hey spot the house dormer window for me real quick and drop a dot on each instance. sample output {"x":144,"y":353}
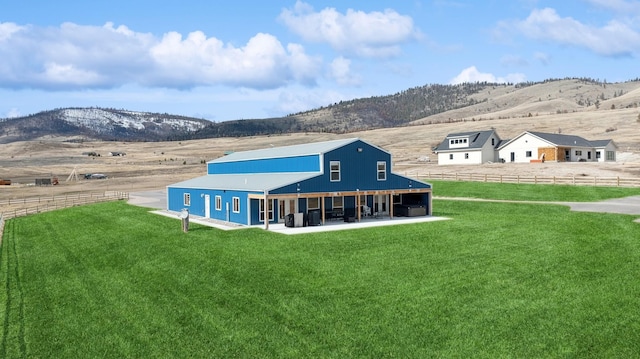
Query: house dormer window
{"x":382,"y":171}
{"x":334,"y":169}
{"x":459,"y":142}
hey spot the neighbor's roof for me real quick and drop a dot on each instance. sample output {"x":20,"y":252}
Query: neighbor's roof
{"x":245,"y":182}
{"x":601,"y":143}
{"x":477,"y":139}
{"x":563,"y":140}
{"x":304,"y":149}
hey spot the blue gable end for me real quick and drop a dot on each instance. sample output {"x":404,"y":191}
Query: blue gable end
{"x":309,"y":163}
{"x":358,"y":172}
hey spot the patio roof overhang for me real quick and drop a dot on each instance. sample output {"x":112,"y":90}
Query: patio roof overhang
{"x":357,"y":193}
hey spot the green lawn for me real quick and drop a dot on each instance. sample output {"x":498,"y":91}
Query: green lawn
{"x":529,"y":192}
{"x":498,"y":280}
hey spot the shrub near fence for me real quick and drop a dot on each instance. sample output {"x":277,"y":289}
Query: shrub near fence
{"x":33,"y":205}
{"x":573,"y":180}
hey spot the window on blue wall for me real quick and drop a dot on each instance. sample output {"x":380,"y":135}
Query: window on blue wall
{"x":270,"y":210}
{"x":218,"y":203}
{"x":186,"y":198}
{"x":334,"y":168}
{"x":382,"y":171}
{"x":313,"y":203}
{"x":236,"y":204}
{"x":337,"y":202}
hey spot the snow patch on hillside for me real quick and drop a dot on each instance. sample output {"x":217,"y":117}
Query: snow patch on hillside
{"x":101,"y":120}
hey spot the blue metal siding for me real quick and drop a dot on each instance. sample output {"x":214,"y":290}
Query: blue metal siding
{"x":175,"y":197}
{"x":310,"y":163}
{"x":358,"y":171}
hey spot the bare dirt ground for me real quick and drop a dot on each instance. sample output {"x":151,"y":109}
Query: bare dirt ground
{"x":154,"y":165}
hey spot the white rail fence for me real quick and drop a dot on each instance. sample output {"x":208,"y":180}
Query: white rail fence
{"x":13,"y":208}
{"x":560,"y":180}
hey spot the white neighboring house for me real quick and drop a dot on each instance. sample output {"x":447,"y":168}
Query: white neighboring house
{"x":539,"y":147}
{"x":605,"y":150}
{"x":465,"y":148}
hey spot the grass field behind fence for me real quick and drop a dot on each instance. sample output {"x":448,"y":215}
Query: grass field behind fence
{"x":497,"y":280}
{"x":529,"y":192}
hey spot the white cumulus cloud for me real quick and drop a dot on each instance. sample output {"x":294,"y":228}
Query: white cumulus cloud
{"x":616,"y":38}
{"x":471,"y":74}
{"x":621,"y":6}
{"x":373,"y":34}
{"x":75,"y":56}
{"x":340,"y":70}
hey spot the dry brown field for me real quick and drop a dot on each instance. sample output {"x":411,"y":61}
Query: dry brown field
{"x":154,"y":165}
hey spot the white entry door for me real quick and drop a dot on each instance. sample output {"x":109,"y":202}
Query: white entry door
{"x":207,"y":206}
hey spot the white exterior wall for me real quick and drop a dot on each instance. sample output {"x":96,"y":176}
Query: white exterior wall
{"x":489,"y":152}
{"x":520,"y":147}
{"x":603,"y":153}
{"x":582,"y":153}
{"x":475,"y":157}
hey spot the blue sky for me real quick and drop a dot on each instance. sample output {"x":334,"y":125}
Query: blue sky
{"x":257,"y":59}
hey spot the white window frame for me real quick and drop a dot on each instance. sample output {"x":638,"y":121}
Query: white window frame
{"x":466,"y":155}
{"x":578,"y":152}
{"x":382,"y":172}
{"x":528,"y":153}
{"x":186,"y":199}
{"x":611,"y":155}
{"x":218,"y":203}
{"x":451,"y":156}
{"x":333,"y":171}
{"x":236,"y":204}
{"x":270,"y":210}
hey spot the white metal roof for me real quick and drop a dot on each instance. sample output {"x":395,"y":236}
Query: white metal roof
{"x":313,"y":148}
{"x":259,"y":182}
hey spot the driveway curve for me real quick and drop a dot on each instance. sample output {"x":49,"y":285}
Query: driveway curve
{"x":625,"y":205}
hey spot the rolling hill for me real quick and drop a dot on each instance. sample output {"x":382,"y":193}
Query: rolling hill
{"x":424,"y":105}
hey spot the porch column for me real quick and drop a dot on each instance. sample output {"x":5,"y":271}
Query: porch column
{"x":265,"y":210}
{"x":358,"y":204}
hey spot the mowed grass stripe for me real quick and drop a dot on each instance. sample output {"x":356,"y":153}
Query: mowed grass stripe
{"x":13,"y":339}
{"x":499,"y":279}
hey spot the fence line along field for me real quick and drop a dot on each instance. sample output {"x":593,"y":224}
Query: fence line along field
{"x":12,"y":208}
{"x":559,"y":180}
{"x":154,"y":165}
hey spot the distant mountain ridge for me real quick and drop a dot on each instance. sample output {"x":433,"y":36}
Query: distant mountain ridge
{"x":99,"y":124}
{"x":429,"y":104}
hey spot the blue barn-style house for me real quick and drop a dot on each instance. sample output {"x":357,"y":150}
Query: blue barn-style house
{"x":345,"y":179}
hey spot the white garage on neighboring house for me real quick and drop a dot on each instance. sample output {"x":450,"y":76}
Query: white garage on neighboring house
{"x":478,"y":147}
{"x":539,"y":147}
{"x":605,"y":150}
